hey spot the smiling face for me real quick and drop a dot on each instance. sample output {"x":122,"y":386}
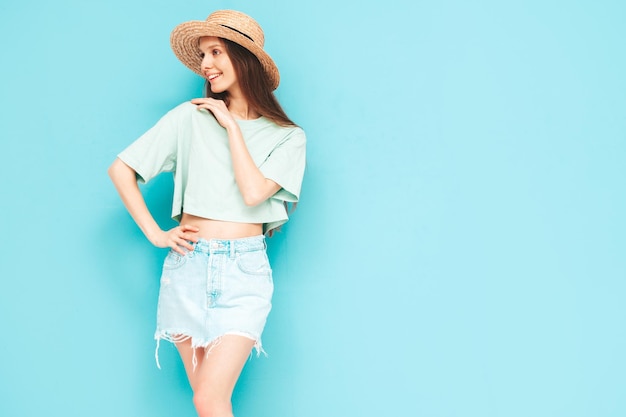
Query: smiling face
{"x":217,"y":67}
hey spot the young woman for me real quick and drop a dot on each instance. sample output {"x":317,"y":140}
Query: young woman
{"x":237,"y":161}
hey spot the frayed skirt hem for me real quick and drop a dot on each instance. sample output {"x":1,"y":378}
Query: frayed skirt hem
{"x":207,"y":344}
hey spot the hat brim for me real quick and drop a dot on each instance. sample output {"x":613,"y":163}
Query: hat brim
{"x":184,"y":41}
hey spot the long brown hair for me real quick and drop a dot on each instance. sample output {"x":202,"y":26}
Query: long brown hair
{"x":254,"y":84}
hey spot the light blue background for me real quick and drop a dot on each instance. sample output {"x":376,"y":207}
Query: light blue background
{"x":458,"y":250}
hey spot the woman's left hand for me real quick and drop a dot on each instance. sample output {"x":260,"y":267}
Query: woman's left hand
{"x":219,"y":110}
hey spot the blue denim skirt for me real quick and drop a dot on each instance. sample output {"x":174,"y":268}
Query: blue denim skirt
{"x":221,"y":287}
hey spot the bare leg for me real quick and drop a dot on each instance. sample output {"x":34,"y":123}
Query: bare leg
{"x":186,"y":353}
{"x":216,"y":373}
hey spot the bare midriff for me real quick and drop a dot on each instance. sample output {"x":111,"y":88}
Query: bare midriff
{"x":218,"y":229}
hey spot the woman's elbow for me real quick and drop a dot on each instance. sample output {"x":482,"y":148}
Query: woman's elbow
{"x":257,"y":195}
{"x":252,"y":200}
{"x":254,"y":197}
{"x":111,"y":170}
{"x":119,"y":171}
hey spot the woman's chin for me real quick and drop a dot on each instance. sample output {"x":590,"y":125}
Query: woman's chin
{"x":216,"y":89}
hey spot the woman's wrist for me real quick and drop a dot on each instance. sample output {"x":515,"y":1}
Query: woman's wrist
{"x":154,"y":235}
{"x":233,"y":129}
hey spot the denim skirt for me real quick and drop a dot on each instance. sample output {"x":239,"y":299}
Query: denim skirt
{"x":220,"y":287}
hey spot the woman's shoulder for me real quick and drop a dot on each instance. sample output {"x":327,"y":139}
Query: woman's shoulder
{"x":288,"y":132}
{"x":295,"y":133}
{"x":184,"y":108}
{"x":282,"y":135}
{"x":187,"y":111}
{"x":291,"y":136}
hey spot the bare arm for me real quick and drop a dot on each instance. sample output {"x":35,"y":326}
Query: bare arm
{"x":252,"y":184}
{"x":125,"y":180}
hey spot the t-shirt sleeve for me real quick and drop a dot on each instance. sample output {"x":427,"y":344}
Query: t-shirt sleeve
{"x":285,"y":165}
{"x":154,"y":151}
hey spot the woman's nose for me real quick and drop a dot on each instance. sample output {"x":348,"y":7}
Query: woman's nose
{"x":207,"y":62}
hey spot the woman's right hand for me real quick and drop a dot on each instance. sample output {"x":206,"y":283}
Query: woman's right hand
{"x":177,"y":238}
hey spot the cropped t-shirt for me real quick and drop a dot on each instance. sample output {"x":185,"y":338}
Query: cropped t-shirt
{"x":194,"y":146}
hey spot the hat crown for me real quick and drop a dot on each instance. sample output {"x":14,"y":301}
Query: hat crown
{"x":240,"y":23}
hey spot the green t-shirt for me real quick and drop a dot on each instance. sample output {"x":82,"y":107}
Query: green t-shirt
{"x":192,"y":144}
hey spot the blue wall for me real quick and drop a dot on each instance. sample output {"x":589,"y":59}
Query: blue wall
{"x":458,"y":250}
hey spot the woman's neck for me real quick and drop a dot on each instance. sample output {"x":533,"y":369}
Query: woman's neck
{"x":240,"y":109}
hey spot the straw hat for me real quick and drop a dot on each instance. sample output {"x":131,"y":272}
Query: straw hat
{"x":228,"y":24}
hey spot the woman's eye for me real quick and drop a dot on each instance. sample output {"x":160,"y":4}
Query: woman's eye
{"x":201,"y":54}
{"x":216,"y":52}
